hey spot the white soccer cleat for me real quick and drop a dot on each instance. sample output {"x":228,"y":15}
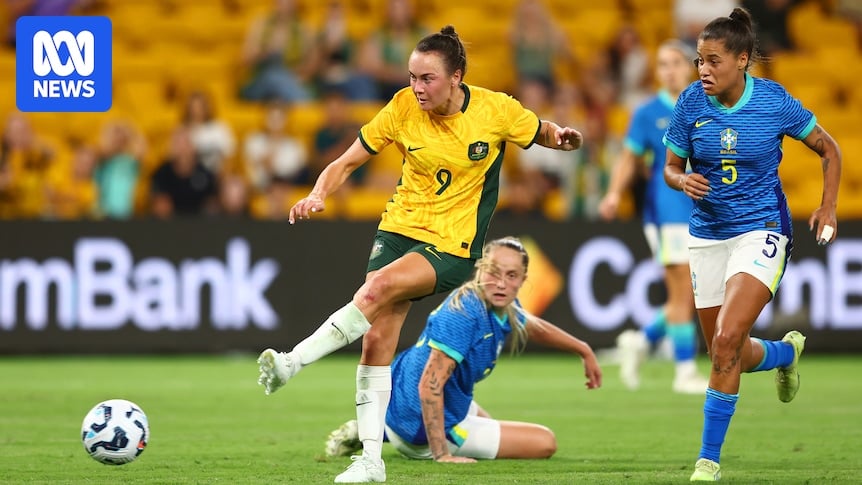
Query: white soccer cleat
{"x":276,"y":368}
{"x":632,"y":347}
{"x":343,"y":441}
{"x":363,"y":470}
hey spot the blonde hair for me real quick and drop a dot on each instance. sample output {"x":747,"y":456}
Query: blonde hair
{"x":513,"y":312}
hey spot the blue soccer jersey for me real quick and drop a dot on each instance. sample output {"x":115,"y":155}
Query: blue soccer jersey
{"x":738,"y":150}
{"x":472,"y":335}
{"x":662,"y":204}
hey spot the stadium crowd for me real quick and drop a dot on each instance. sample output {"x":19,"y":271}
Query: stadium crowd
{"x":231,"y":108}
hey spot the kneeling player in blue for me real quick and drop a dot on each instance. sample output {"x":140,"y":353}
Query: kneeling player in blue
{"x":432,"y":414}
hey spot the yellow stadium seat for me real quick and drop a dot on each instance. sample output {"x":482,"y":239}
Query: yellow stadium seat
{"x":556,"y":205}
{"x":363,"y":112}
{"x":491,"y":66}
{"x":618,"y":119}
{"x":842,"y":123}
{"x":840,"y":65}
{"x":243,"y":117}
{"x":305,"y":119}
{"x":789,"y":69}
{"x":814,"y":96}
{"x":594,"y":26}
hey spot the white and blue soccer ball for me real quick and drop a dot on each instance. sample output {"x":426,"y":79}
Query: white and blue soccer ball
{"x":115,"y":432}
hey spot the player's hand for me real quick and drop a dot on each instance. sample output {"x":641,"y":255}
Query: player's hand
{"x":824,"y":224}
{"x":694,"y":185}
{"x":568,"y":138}
{"x":609,"y":205}
{"x":592,"y":371}
{"x":454,"y":459}
{"x":305,"y":207}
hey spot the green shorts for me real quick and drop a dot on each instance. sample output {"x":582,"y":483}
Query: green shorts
{"x":452,"y":271}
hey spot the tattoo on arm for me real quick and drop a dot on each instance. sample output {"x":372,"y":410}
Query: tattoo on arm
{"x":437,"y":372}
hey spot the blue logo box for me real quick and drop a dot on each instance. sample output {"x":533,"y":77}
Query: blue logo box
{"x":63,"y":64}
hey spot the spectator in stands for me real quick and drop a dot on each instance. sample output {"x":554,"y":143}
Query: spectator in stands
{"x":630,"y":67}
{"x":334,"y":137}
{"x":72,"y":192}
{"x":25,"y":161}
{"x":592,"y":172}
{"x":544,"y":169}
{"x":538,"y":44}
{"x":386,"y":51}
{"x":521,"y":200}
{"x":213,"y":139}
{"x":336,"y":56}
{"x":182,"y":185}
{"x":277,"y":53}
{"x":117,"y":173}
{"x":274,"y":161}
{"x":233,"y":195}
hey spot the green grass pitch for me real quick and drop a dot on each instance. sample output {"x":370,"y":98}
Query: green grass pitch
{"x":211,"y":423}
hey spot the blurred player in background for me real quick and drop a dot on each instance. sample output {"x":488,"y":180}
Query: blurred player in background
{"x":432,"y":414}
{"x":730,"y":126}
{"x":665,"y":217}
{"x":453,"y":138}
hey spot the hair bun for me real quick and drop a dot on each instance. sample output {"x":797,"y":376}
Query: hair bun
{"x":448,"y":30}
{"x":741,"y":15}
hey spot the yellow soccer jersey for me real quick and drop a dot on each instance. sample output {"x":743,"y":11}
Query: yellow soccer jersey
{"x":450,"y":177}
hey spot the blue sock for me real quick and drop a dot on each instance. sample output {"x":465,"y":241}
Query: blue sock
{"x":775,"y":354}
{"x":717,"y":411}
{"x":684,"y":338}
{"x":655,"y":331}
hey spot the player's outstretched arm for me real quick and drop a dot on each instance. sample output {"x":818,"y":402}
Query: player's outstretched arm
{"x":830,"y":156}
{"x":558,"y":137}
{"x":437,"y":372}
{"x":330,"y":179}
{"x":550,"y":335}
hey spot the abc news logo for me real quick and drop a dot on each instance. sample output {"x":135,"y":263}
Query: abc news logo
{"x":63,"y":64}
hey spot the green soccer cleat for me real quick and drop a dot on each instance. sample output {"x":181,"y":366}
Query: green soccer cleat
{"x":706,"y":471}
{"x":787,"y":378}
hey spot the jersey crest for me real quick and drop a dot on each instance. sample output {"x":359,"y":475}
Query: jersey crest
{"x":729,"y":136}
{"x":477,"y":150}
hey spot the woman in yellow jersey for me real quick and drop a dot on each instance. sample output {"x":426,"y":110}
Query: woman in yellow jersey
{"x":453,"y":138}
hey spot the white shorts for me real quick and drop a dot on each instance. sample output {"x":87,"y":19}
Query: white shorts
{"x":669,"y":245}
{"x":481,"y":439}
{"x":762,"y":254}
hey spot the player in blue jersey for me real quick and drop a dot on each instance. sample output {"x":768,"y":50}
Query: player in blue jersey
{"x":432,"y":414}
{"x":665,"y":219}
{"x":731,"y":126}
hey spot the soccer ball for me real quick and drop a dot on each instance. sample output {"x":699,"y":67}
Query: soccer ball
{"x":115,"y":432}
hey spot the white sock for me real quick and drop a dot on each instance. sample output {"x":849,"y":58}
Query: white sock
{"x":373,"y":388}
{"x":685,"y":369}
{"x":341,"y":328}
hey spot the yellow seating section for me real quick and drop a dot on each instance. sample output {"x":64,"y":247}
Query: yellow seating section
{"x":164,"y":49}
